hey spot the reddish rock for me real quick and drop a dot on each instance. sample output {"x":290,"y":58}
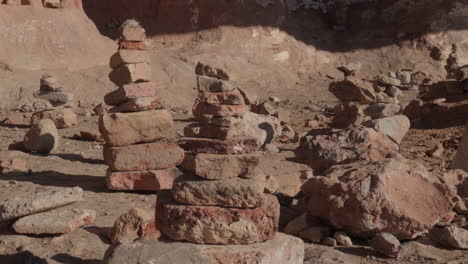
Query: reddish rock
{"x":216,"y":146}
{"x":13,"y":165}
{"x":222,"y":98}
{"x":130,"y":91}
{"x":133,"y":34}
{"x":203,"y":112}
{"x":321,"y":149}
{"x":121,"y":129}
{"x":132,"y":225}
{"x":141,"y":180}
{"x":236,"y":131}
{"x":354,"y":89}
{"x":131,"y":73}
{"x":219,"y":166}
{"x":204,"y":69}
{"x":347,"y":115}
{"x":17,"y":119}
{"x":129,"y":57}
{"x":138,"y":105}
{"x":217,"y":225}
{"x":131,"y":45}
{"x":234,"y":192}
{"x":142,"y":157}
{"x":62,"y":118}
{"x":213,"y":85}
{"x":91,"y":135}
{"x":366,"y":198}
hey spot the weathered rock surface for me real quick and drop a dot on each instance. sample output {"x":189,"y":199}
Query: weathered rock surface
{"x":128,"y":226}
{"x":11,"y":165}
{"x":348,"y":114}
{"x":261,"y":127}
{"x":121,"y":129}
{"x":91,"y":135}
{"x":219,"y":166}
{"x":217,"y":225}
{"x":62,"y":118}
{"x":216,"y":146}
{"x":132,"y":45}
{"x":315,"y":234}
{"x":131,"y":73}
{"x":142,"y":157}
{"x":54,"y":96}
{"x":451,"y":236}
{"x":39,"y":202}
{"x":460,"y":160}
{"x":154,"y":180}
{"x":222,"y":98}
{"x":204,"y":112}
{"x":58,"y":221}
{"x":342,"y":239}
{"x":282,"y":249}
{"x":213,"y":85}
{"x":234,"y":192}
{"x":354,"y":89}
{"x":392,"y":195}
{"x":394,"y":127}
{"x":130,"y":91}
{"x":133,"y":34}
{"x":42,"y":138}
{"x":386,"y":244}
{"x":321,"y":149}
{"x":381,"y":110}
{"x":236,"y":131}
{"x":138,"y":104}
{"x":129,"y":57}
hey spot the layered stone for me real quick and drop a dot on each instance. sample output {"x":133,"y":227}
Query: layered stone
{"x":121,"y":129}
{"x":282,"y":249}
{"x":219,"y":166}
{"x":132,"y":45}
{"x":217,"y":225}
{"x":222,"y":98}
{"x":354,"y":89}
{"x":131,"y":73}
{"x":203,"y":112}
{"x":58,"y":221}
{"x":130,"y":91}
{"x":153,"y":180}
{"x":142,"y":157}
{"x":131,"y":225}
{"x":138,"y":105}
{"x":133,"y":34}
{"x":213,"y":85}
{"x":62,"y":118}
{"x":234,"y":192}
{"x":216,"y":146}
{"x":129,"y":57}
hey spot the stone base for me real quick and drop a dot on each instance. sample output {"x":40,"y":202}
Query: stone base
{"x":283,"y":249}
{"x":154,"y":180}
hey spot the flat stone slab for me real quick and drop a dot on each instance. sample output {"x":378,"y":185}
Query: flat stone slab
{"x":153,"y":180}
{"x":234,"y":192}
{"x":142,"y":157}
{"x":132,"y":45}
{"x":220,"y":166}
{"x":222,"y":98}
{"x":217,"y":225}
{"x":122,"y":129}
{"x":131,"y":73}
{"x":216,"y":146}
{"x":238,"y":130}
{"x":130,"y":91}
{"x":58,"y":221}
{"x":138,"y":104}
{"x":133,"y":34}
{"x":53,"y":96}
{"x":40,"y":202}
{"x":129,"y":57}
{"x":283,"y":249}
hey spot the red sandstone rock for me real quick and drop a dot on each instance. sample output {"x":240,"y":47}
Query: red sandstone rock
{"x":12,"y":165}
{"x":62,"y":118}
{"x":91,"y":135}
{"x":141,"y":180}
{"x":222,"y":98}
{"x":138,"y":104}
{"x":203,"y":68}
{"x":236,"y":131}
{"x":129,"y":57}
{"x":130,"y":91}
{"x":142,"y":157}
{"x":216,"y":146}
{"x":132,"y":225}
{"x":131,"y":73}
{"x":133,"y":34}
{"x":217,"y":225}
{"x":121,"y":129}
{"x":203,"y":112}
{"x":131,"y":45}
{"x":219,"y":166}
{"x":366,"y":198}
{"x":234,"y":192}
{"x":321,"y":149}
{"x":354,"y":89}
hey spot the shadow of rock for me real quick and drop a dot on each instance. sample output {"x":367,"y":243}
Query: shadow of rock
{"x":25,"y":257}
{"x":101,"y":232}
{"x":80,"y":158}
{"x":68,"y":259}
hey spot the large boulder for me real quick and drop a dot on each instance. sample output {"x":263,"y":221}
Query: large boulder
{"x":393,"y":195}
{"x":321,"y":149}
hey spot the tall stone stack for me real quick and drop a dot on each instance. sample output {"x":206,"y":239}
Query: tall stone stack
{"x":140,"y":147}
{"x":220,"y":199}
{"x":59,"y":111}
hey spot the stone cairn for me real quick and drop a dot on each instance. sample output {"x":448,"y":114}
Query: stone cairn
{"x":59,"y":110}
{"x":220,"y":200}
{"x":138,"y":133}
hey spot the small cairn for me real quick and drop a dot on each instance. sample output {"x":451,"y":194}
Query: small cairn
{"x":138,"y":133}
{"x":60,"y":113}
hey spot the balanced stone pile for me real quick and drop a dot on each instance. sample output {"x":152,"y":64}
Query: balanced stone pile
{"x":139,"y":136}
{"x":373,"y":106}
{"x":60,"y":113}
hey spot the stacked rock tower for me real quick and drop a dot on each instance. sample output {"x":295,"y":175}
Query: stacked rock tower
{"x":140,"y":147}
{"x":220,"y":200}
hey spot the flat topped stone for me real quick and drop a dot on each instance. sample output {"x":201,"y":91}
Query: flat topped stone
{"x":39,"y":202}
{"x":217,"y":225}
{"x":58,"y":221}
{"x":234,"y":192}
{"x":283,"y":249}
{"x":213,"y":85}
{"x":152,"y":180}
{"x":216,"y":146}
{"x":203,"y":112}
